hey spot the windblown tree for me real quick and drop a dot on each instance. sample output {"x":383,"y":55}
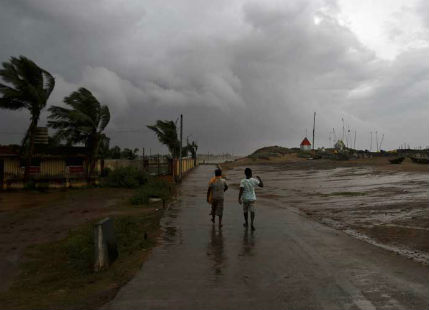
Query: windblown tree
{"x":115,"y":152}
{"x":103,"y":149}
{"x":26,"y":86}
{"x":167,"y":135}
{"x":130,"y":154}
{"x":82,"y":123}
{"x":192,"y":147}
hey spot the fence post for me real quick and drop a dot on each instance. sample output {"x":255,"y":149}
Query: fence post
{"x":143,"y":160}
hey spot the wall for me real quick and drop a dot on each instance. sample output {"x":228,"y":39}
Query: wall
{"x":12,"y":168}
{"x":53,"y":174}
{"x":121,"y":163}
{"x":52,"y":167}
{"x":187,"y":165}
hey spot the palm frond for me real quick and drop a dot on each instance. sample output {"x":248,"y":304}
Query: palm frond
{"x":83,"y":122}
{"x":25,"y":85}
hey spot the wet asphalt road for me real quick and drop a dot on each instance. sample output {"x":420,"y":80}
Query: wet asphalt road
{"x":289,"y":262}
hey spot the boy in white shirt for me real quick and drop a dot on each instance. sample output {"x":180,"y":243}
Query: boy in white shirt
{"x":247,"y":196}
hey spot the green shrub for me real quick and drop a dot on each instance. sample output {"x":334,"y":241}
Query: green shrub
{"x":30,"y":185}
{"x":105,"y":172}
{"x":342,"y":156}
{"x":154,"y":188}
{"x":303,"y":154}
{"x":129,"y":177}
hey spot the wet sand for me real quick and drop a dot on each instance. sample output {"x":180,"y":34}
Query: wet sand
{"x":289,"y":262}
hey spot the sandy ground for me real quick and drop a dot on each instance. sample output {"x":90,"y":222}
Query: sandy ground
{"x":289,"y":262}
{"x":383,"y":204}
{"x":28,"y":218}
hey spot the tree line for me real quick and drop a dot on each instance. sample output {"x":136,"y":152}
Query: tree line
{"x":83,"y":120}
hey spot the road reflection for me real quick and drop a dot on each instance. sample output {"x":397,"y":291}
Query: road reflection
{"x":216,"y":250}
{"x":248,"y":243}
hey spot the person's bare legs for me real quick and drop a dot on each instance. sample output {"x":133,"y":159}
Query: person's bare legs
{"x":213,"y":214}
{"x":252,"y":218}
{"x":246,"y":219}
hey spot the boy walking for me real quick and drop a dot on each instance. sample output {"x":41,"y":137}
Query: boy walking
{"x":247,"y":196}
{"x":215,"y":195}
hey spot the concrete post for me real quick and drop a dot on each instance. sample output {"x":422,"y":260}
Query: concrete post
{"x":106,"y":250}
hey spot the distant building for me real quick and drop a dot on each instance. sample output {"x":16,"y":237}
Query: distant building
{"x":305,"y":145}
{"x":60,"y":166}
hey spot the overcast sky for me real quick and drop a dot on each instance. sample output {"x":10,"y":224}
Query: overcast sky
{"x":245,"y":74}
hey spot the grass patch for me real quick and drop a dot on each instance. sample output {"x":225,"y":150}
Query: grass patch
{"x":126,"y":177}
{"x":59,"y":275}
{"x":154,"y":187}
{"x":302,"y":154}
{"x":345,"y":194}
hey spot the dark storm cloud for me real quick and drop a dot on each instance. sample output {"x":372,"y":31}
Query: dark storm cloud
{"x":244,"y":73}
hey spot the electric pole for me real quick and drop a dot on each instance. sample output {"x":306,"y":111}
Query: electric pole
{"x":143,"y":158}
{"x":180,"y":154}
{"x":354,"y":142}
{"x":370,"y":146}
{"x":376,"y":140}
{"x":314,"y":127}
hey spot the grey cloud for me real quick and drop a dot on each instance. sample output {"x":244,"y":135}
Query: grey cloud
{"x":244,"y":74}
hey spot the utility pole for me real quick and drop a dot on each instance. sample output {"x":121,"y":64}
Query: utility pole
{"x":143,"y":158}
{"x":335,"y":137}
{"x":158,"y":165}
{"x":314,"y":127}
{"x":376,"y":140}
{"x":354,"y":143}
{"x":370,"y":146}
{"x":180,"y":154}
{"x":381,"y":142}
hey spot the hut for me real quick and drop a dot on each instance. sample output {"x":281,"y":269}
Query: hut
{"x":305,"y":145}
{"x":51,"y":166}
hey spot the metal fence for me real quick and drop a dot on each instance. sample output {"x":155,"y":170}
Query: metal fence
{"x":154,"y":165}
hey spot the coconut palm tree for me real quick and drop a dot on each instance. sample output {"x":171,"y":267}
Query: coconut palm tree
{"x":167,"y":134}
{"x":27,"y":86}
{"x":192,"y":147}
{"x":83,"y":123}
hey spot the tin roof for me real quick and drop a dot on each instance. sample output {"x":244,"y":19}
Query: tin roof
{"x":44,"y":151}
